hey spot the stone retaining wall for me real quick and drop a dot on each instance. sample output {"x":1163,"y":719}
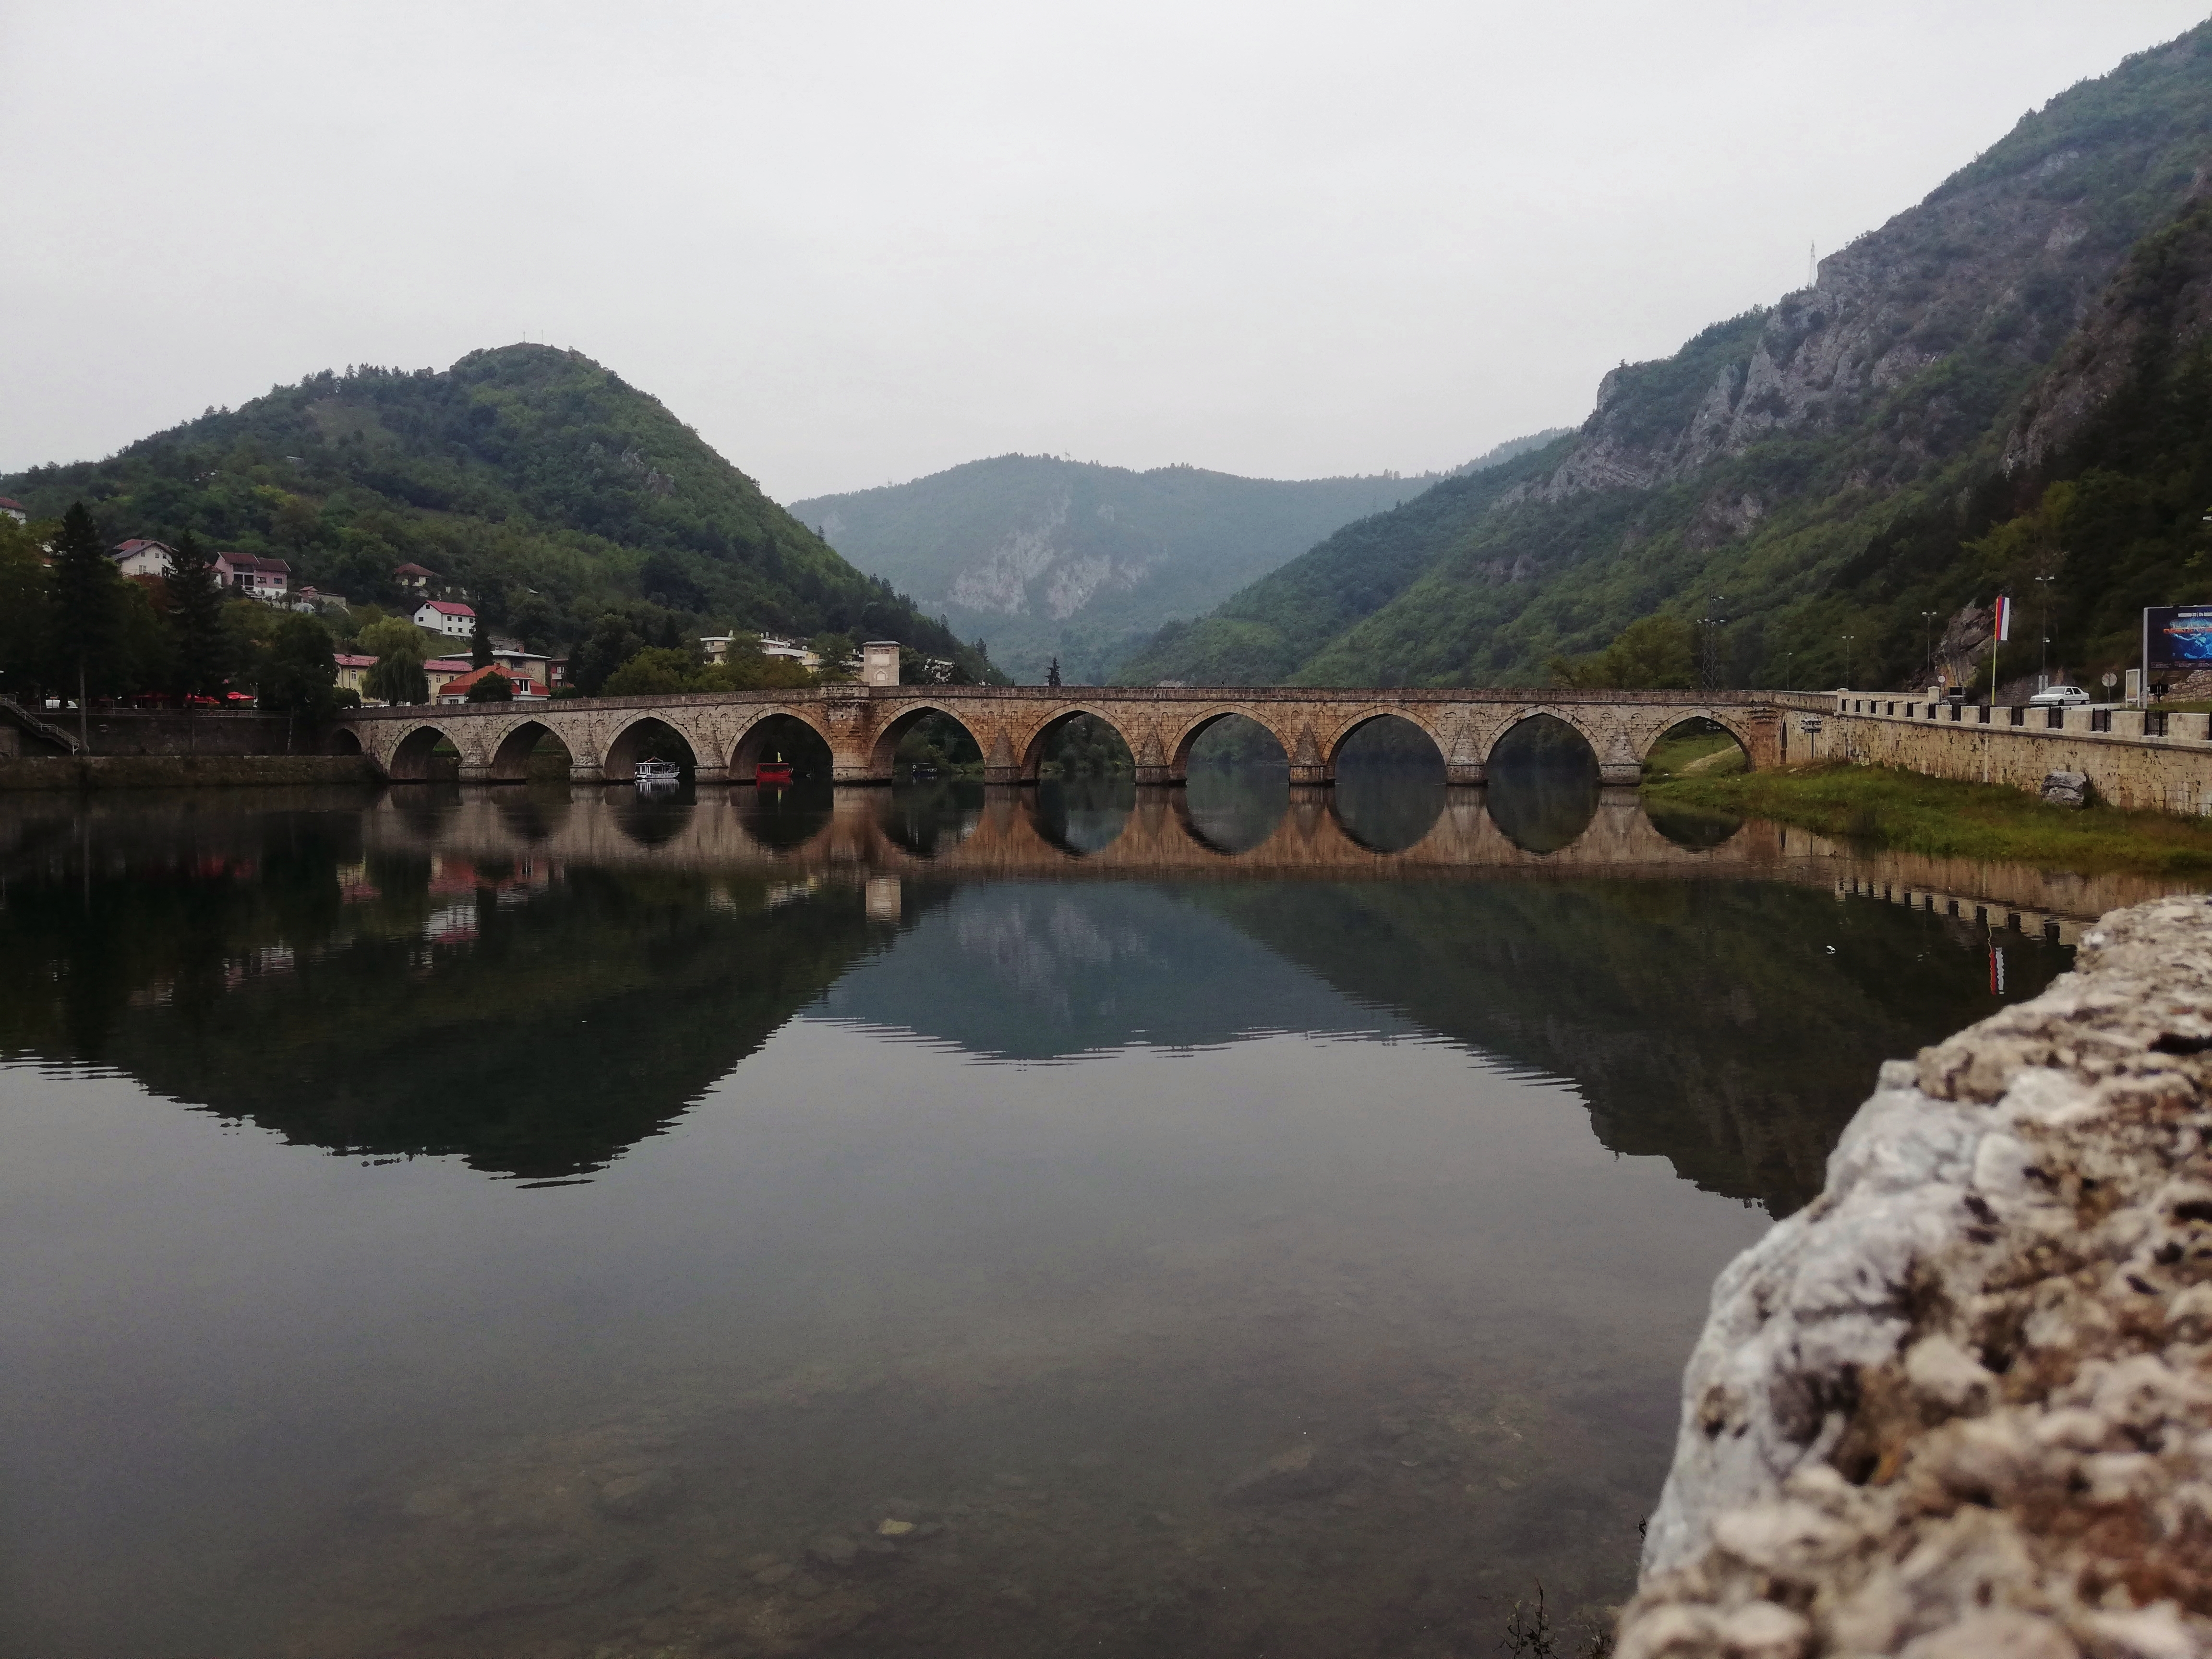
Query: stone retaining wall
{"x":2129,"y":768}
{"x":1961,"y":1404}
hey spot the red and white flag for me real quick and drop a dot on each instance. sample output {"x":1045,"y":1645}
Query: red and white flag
{"x":2004,"y":615}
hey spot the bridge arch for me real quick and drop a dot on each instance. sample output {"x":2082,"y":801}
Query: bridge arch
{"x":998,"y":757}
{"x":410,"y":760}
{"x":1194,"y":727}
{"x":1724,"y":717}
{"x":1041,"y":737}
{"x":758,"y":732}
{"x":639,"y":737}
{"x":511,"y":749}
{"x":1366,"y":719}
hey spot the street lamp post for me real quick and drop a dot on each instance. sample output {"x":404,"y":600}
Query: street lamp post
{"x":2043,"y":673}
{"x":1928,"y":643}
{"x":1849,"y":659}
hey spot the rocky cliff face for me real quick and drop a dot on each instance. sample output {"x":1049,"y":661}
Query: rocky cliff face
{"x":2158,"y":308}
{"x":1825,"y":464}
{"x":2006,"y":257}
{"x":1962,"y":1404}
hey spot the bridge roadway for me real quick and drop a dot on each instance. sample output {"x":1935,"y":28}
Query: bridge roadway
{"x":1013,"y":727}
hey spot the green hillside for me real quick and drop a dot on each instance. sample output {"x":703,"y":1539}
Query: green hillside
{"x":543,"y":484}
{"x":1822,"y":473}
{"x":1048,"y":558}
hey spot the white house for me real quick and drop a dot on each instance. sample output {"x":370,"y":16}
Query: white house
{"x":143,"y":558}
{"x":445,"y":617}
{"x":14,"y":509}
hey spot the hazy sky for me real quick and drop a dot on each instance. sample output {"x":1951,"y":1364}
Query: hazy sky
{"x":853,"y":243}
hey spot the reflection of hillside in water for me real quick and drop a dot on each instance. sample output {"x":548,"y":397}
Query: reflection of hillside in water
{"x":1732,"y":1027}
{"x":533,"y":1022}
{"x":1052,"y":970}
{"x":516,"y":978}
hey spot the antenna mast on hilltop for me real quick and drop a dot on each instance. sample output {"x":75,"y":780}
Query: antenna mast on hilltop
{"x":1812,"y":268}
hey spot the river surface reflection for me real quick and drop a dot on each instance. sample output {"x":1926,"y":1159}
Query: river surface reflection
{"x":1220,"y":1221}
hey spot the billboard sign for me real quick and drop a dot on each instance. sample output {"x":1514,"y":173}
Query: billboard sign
{"x":2179,"y":636}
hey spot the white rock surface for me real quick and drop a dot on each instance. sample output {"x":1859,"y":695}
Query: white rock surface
{"x":1962,"y":1403}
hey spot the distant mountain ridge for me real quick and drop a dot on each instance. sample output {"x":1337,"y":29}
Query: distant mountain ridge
{"x":1819,"y":474}
{"x":1048,"y":558}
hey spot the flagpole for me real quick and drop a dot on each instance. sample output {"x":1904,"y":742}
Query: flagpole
{"x":2000,"y":627}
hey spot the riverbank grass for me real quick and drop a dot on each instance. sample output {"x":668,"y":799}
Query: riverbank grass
{"x":1879,"y":806}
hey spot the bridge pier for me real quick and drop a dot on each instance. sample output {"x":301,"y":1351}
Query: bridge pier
{"x":1462,"y":773}
{"x":586,"y":772}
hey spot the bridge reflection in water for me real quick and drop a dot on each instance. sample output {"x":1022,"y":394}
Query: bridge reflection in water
{"x":997,"y":832}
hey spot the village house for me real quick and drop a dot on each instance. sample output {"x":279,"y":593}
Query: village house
{"x":456,"y":690}
{"x":141,"y":557}
{"x":440,"y":670}
{"x":14,"y":509}
{"x":254,"y":577}
{"x":447,"y":617}
{"x":353,"y":673}
{"x":716,"y":649}
{"x":520,"y":664}
{"x":414,"y":579}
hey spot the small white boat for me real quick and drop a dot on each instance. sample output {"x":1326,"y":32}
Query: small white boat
{"x":657,"y":775}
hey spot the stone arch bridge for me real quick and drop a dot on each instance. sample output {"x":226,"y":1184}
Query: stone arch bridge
{"x":727,"y":731}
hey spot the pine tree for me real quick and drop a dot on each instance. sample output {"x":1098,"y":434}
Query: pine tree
{"x":1051,"y":674}
{"x":87,"y":608}
{"x":195,"y":623}
{"x":480,"y":645}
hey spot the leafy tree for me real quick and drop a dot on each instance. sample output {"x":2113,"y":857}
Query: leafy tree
{"x":605,"y":649}
{"x":1653,"y":653}
{"x":396,"y":675}
{"x":749,"y":668}
{"x":196,"y":656}
{"x":25,"y":602}
{"x":298,"y":675}
{"x":494,"y":687}
{"x":86,"y":614}
{"x":833,"y":650}
{"x":480,"y":645}
{"x":657,"y":671}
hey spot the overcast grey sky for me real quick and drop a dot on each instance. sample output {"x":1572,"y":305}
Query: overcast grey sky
{"x":859,"y":242}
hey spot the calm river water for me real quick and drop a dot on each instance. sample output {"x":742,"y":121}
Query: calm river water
{"x":527,"y":1223}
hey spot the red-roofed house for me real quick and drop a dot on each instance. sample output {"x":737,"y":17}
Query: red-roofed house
{"x":415,"y":577}
{"x":142,"y":558}
{"x":456,"y":690}
{"x":353,"y":671}
{"x":14,"y":509}
{"x":447,"y":617}
{"x":440,"y":670}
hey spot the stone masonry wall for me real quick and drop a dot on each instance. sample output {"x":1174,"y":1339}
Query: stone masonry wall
{"x":1961,"y":1404}
{"x":2128,"y":768}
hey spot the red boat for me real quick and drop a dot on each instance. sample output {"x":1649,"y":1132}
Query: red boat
{"x":773,"y":771}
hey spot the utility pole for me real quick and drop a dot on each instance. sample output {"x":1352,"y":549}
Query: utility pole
{"x":1928,"y":643}
{"x":2043,"y":587}
{"x":1709,"y":646}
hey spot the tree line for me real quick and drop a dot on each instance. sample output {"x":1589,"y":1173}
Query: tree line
{"x":72,"y":626}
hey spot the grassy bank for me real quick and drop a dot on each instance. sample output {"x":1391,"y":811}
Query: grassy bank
{"x":1877,"y":806}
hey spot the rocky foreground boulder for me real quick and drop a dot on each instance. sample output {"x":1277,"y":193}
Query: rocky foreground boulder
{"x":1961,"y":1404}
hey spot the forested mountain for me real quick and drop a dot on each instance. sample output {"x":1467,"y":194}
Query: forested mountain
{"x":1045,"y":558}
{"x":2005,"y":382}
{"x":542,"y":484}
